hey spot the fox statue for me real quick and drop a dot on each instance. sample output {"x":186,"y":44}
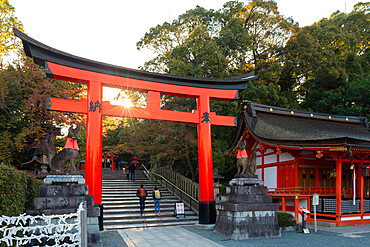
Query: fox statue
{"x":69,"y":153}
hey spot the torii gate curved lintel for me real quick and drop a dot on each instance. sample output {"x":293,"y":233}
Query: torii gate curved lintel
{"x":63,"y":66}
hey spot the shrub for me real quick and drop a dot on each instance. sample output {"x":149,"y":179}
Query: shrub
{"x":286,"y":219}
{"x":17,"y":190}
{"x":223,"y":189}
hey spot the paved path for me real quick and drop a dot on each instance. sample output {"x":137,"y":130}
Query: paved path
{"x":190,"y":236}
{"x":164,"y":236}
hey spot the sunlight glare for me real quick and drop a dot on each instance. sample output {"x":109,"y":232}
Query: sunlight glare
{"x":126,"y":103}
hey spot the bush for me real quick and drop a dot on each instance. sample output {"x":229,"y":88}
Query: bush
{"x":223,"y":189}
{"x":17,"y":190}
{"x":286,"y":219}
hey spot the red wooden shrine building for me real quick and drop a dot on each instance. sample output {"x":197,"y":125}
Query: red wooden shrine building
{"x":301,"y":153}
{"x":95,"y":75}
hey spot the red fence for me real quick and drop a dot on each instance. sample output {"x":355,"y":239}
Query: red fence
{"x":306,"y":191}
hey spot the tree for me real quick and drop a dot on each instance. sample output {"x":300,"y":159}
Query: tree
{"x":23,"y":91}
{"x":232,"y":41}
{"x":8,"y":42}
{"x":327,"y":63}
{"x":161,"y":141}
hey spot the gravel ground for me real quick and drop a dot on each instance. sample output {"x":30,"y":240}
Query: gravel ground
{"x":321,"y":238}
{"x":332,"y":236}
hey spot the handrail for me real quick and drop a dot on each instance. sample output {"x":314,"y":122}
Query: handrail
{"x":174,"y":186}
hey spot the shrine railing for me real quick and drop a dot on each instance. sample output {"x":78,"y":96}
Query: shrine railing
{"x":184,"y":183}
{"x":68,"y":230}
{"x":183,"y":195}
{"x":309,"y":191}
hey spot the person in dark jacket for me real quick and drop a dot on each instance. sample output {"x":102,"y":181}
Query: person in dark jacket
{"x":141,"y":194}
{"x":132,"y":169}
{"x":157,"y":200}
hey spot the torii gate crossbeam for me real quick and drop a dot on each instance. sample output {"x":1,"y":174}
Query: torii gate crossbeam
{"x":63,"y":66}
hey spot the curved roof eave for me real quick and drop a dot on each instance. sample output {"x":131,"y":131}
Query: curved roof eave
{"x":42,"y":53}
{"x":275,"y":126}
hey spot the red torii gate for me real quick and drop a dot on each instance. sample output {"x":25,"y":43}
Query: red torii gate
{"x":63,"y":66}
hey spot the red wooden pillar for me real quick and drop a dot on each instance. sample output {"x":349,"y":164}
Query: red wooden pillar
{"x":207,"y":209}
{"x":338,"y":189}
{"x":296,"y":204}
{"x":93,"y":163}
{"x":317,"y":176}
{"x":283,"y":204}
{"x":295,"y":183}
{"x":278,"y":172}
{"x":361,"y":180}
{"x":113,"y":168}
{"x":263,"y":168}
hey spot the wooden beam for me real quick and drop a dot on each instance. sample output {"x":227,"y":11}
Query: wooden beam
{"x":152,"y":112}
{"x":62,"y":72}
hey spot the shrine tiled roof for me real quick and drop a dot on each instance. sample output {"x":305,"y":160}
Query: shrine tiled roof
{"x":42,"y":53}
{"x":287,"y":127}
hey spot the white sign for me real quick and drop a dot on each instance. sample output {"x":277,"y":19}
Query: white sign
{"x":302,"y":209}
{"x":180,"y":208}
{"x":315,"y":199}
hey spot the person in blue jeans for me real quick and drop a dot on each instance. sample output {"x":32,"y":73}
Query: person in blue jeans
{"x":141,"y":193}
{"x":157,"y":200}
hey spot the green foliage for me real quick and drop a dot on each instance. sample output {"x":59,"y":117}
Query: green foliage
{"x":23,"y":91}
{"x":223,"y":189}
{"x":286,"y":219}
{"x":232,"y":41}
{"x":17,"y":190}
{"x":8,"y":42}
{"x":327,"y":64}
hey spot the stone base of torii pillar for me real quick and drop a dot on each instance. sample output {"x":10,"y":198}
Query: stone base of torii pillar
{"x":62,"y":194}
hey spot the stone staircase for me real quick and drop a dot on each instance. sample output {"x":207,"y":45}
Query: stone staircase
{"x":121,"y":205}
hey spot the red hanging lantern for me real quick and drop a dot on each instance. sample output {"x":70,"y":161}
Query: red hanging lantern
{"x":319,"y":154}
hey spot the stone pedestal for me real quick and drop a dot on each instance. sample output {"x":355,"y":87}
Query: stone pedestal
{"x":247,"y":211}
{"x":62,"y":194}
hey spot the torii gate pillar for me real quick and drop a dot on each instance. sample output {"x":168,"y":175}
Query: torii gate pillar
{"x":207,"y":210}
{"x":93,"y":164}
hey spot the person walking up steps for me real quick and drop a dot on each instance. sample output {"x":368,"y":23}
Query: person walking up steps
{"x":132,"y":169}
{"x":157,"y":200}
{"x":127,"y":173}
{"x":141,"y":193}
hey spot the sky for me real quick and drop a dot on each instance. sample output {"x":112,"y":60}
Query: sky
{"x":107,"y":31}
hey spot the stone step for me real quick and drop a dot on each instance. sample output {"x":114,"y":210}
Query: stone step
{"x":132,"y":184}
{"x":129,"y":204}
{"x":144,"y":219}
{"x":125,"y":181}
{"x":133,"y":195}
{"x":147,"y":214}
{"x":136,"y":202}
{"x":137,"y":180}
{"x":167,"y":208}
{"x":123,"y":197}
{"x":131,"y":198}
{"x":129,"y":191}
{"x":146,"y":225}
{"x":121,"y":205}
{"x":126,"y":195}
{"x":134,"y":205}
